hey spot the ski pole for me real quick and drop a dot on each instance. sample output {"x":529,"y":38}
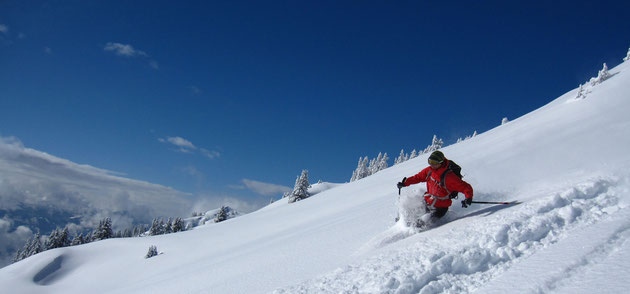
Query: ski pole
{"x":491,"y":202}
{"x":485,"y":202}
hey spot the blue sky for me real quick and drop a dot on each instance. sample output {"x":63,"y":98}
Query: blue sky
{"x":218,"y":98}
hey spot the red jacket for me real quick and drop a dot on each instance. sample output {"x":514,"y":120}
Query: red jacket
{"x":435,"y":193}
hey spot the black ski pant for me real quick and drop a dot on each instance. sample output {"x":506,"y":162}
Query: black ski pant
{"x":436,"y":212}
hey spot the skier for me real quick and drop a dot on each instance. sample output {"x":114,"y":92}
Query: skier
{"x":437,"y":196}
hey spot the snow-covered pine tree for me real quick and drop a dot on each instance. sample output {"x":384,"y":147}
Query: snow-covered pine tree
{"x":152,"y":251}
{"x":36,"y":245}
{"x":382,"y":163}
{"x":373,"y":167}
{"x":602,"y":75}
{"x":58,"y":238}
{"x":581,"y":93}
{"x":104,"y":230}
{"x":51,"y":241}
{"x":400,"y":158}
{"x":77,"y":240}
{"x":178,"y":225}
{"x":18,"y":256}
{"x":436,"y":144}
{"x":167,"y":226}
{"x":157,"y":227}
{"x":627,"y":56}
{"x":31,"y":247}
{"x":413,"y":154}
{"x":361,"y":171}
{"x":300,"y":190}
{"x":221,"y":215}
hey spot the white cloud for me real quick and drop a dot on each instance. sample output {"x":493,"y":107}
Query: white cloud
{"x":210,"y":154}
{"x":4,"y":29}
{"x":265,"y":189}
{"x":180,"y":142}
{"x":186,"y":146}
{"x":11,"y":239}
{"x":33,"y":178}
{"x":124,"y":50}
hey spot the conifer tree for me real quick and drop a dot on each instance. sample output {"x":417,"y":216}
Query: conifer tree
{"x":361,"y":171}
{"x":221,"y":215}
{"x":156,"y":227}
{"x":178,"y":225}
{"x":77,"y":240}
{"x":602,"y":75}
{"x":400,"y":158}
{"x":168,"y":226}
{"x":300,"y":190}
{"x":31,"y":247}
{"x":382,"y":163}
{"x":35,"y":245}
{"x":104,"y":230}
{"x":436,"y":144}
{"x":152,"y":252}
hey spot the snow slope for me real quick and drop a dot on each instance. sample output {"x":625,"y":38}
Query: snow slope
{"x":566,"y":163}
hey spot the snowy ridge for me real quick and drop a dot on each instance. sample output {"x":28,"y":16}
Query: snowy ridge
{"x":566,"y":163}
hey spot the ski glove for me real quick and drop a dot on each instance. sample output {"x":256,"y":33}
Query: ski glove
{"x":466,"y":202}
{"x":401,"y":184}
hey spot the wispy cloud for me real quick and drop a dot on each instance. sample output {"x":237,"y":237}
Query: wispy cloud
{"x":265,"y":189}
{"x":183,"y":144}
{"x":34,"y":177}
{"x":124,"y":50}
{"x":4,"y":29}
{"x":186,"y":146}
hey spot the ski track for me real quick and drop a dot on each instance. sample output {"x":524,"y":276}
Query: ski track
{"x":613,"y":243}
{"x":478,"y":249}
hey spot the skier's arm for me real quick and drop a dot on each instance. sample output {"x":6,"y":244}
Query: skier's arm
{"x":454,"y":183}
{"x":419,"y":177}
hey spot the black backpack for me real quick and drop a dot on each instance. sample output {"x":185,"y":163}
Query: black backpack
{"x":456,"y":169}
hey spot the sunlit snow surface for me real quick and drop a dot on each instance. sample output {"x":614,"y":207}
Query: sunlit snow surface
{"x":566,"y":163}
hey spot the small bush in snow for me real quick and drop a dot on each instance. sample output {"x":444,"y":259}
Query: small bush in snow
{"x":152,"y":252}
{"x":585,"y":89}
{"x":602,"y":75}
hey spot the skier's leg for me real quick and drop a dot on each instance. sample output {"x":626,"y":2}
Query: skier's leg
{"x":438,"y":212}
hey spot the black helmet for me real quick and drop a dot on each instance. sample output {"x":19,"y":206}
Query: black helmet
{"x":437,"y":157}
